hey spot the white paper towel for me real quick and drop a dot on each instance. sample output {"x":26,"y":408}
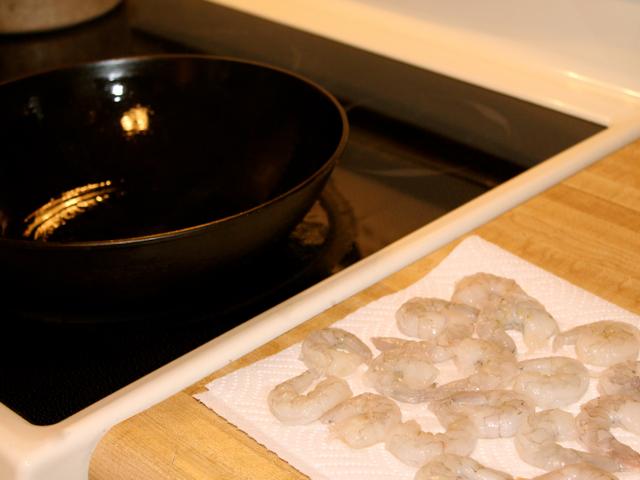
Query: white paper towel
{"x":240,"y":397}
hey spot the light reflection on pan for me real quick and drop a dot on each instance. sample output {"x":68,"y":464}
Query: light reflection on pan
{"x":136,"y":120}
{"x":42,"y":223}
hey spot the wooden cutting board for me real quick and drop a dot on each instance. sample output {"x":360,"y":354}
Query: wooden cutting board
{"x":585,"y":230}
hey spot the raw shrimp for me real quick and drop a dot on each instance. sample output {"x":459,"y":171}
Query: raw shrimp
{"x":435,"y":319}
{"x":335,"y":351}
{"x":602,"y":343}
{"x":486,"y":365}
{"x":552,"y":381}
{"x":482,"y":289}
{"x":598,"y":416}
{"x":621,"y":379}
{"x":578,"y":471}
{"x":434,"y":352}
{"x":364,"y":420}
{"x":291,"y":408}
{"x":456,"y":467}
{"x":413,"y":447}
{"x":494,"y":413}
{"x":536,"y":442}
{"x":520,"y":312}
{"x":402,"y":373}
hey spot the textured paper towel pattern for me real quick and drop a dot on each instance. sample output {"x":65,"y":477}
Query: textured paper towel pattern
{"x":240,"y":397}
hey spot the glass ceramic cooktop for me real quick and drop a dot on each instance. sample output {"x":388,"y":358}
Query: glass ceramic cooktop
{"x":421,"y":145}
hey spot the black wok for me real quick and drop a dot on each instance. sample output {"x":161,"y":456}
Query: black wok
{"x":129,"y":180}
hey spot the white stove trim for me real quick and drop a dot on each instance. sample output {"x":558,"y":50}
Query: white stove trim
{"x":63,"y":451}
{"x":592,"y":73}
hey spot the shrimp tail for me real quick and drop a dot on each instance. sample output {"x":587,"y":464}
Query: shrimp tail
{"x":559,"y":341}
{"x":387,"y":343}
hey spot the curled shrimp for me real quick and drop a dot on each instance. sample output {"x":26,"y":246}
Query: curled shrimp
{"x":518,"y":312}
{"x":292,"y":408}
{"x":621,"y":379}
{"x":602,"y":343}
{"x":414,"y":447}
{"x":402,"y":373}
{"x":598,"y":416}
{"x":334,"y":351}
{"x":435,"y":319}
{"x":578,"y":471}
{"x":456,"y":467}
{"x":536,"y":442}
{"x":486,"y":365}
{"x":552,"y":381}
{"x":364,"y":420}
{"x":494,"y":413}
{"x":482,"y":289}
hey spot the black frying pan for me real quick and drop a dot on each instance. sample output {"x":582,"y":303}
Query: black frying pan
{"x":131,"y":179}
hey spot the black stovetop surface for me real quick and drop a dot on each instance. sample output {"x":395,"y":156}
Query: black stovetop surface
{"x":400,"y":170}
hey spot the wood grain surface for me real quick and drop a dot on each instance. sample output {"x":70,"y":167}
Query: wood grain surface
{"x":585,"y":230}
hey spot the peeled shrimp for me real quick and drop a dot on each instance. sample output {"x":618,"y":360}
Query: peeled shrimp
{"x":291,"y":408}
{"x":402,"y":373}
{"x":435,"y":319}
{"x":578,"y":471}
{"x":482,"y":289}
{"x":517,"y":312}
{"x":334,"y":351}
{"x":486,"y":365}
{"x":621,"y":379}
{"x":364,"y":420}
{"x":456,"y":467}
{"x":602,"y":343}
{"x":536,"y":442}
{"x":598,"y":416}
{"x":494,"y":413}
{"x":552,"y":381}
{"x":435,"y":352}
{"x":413,"y":447}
